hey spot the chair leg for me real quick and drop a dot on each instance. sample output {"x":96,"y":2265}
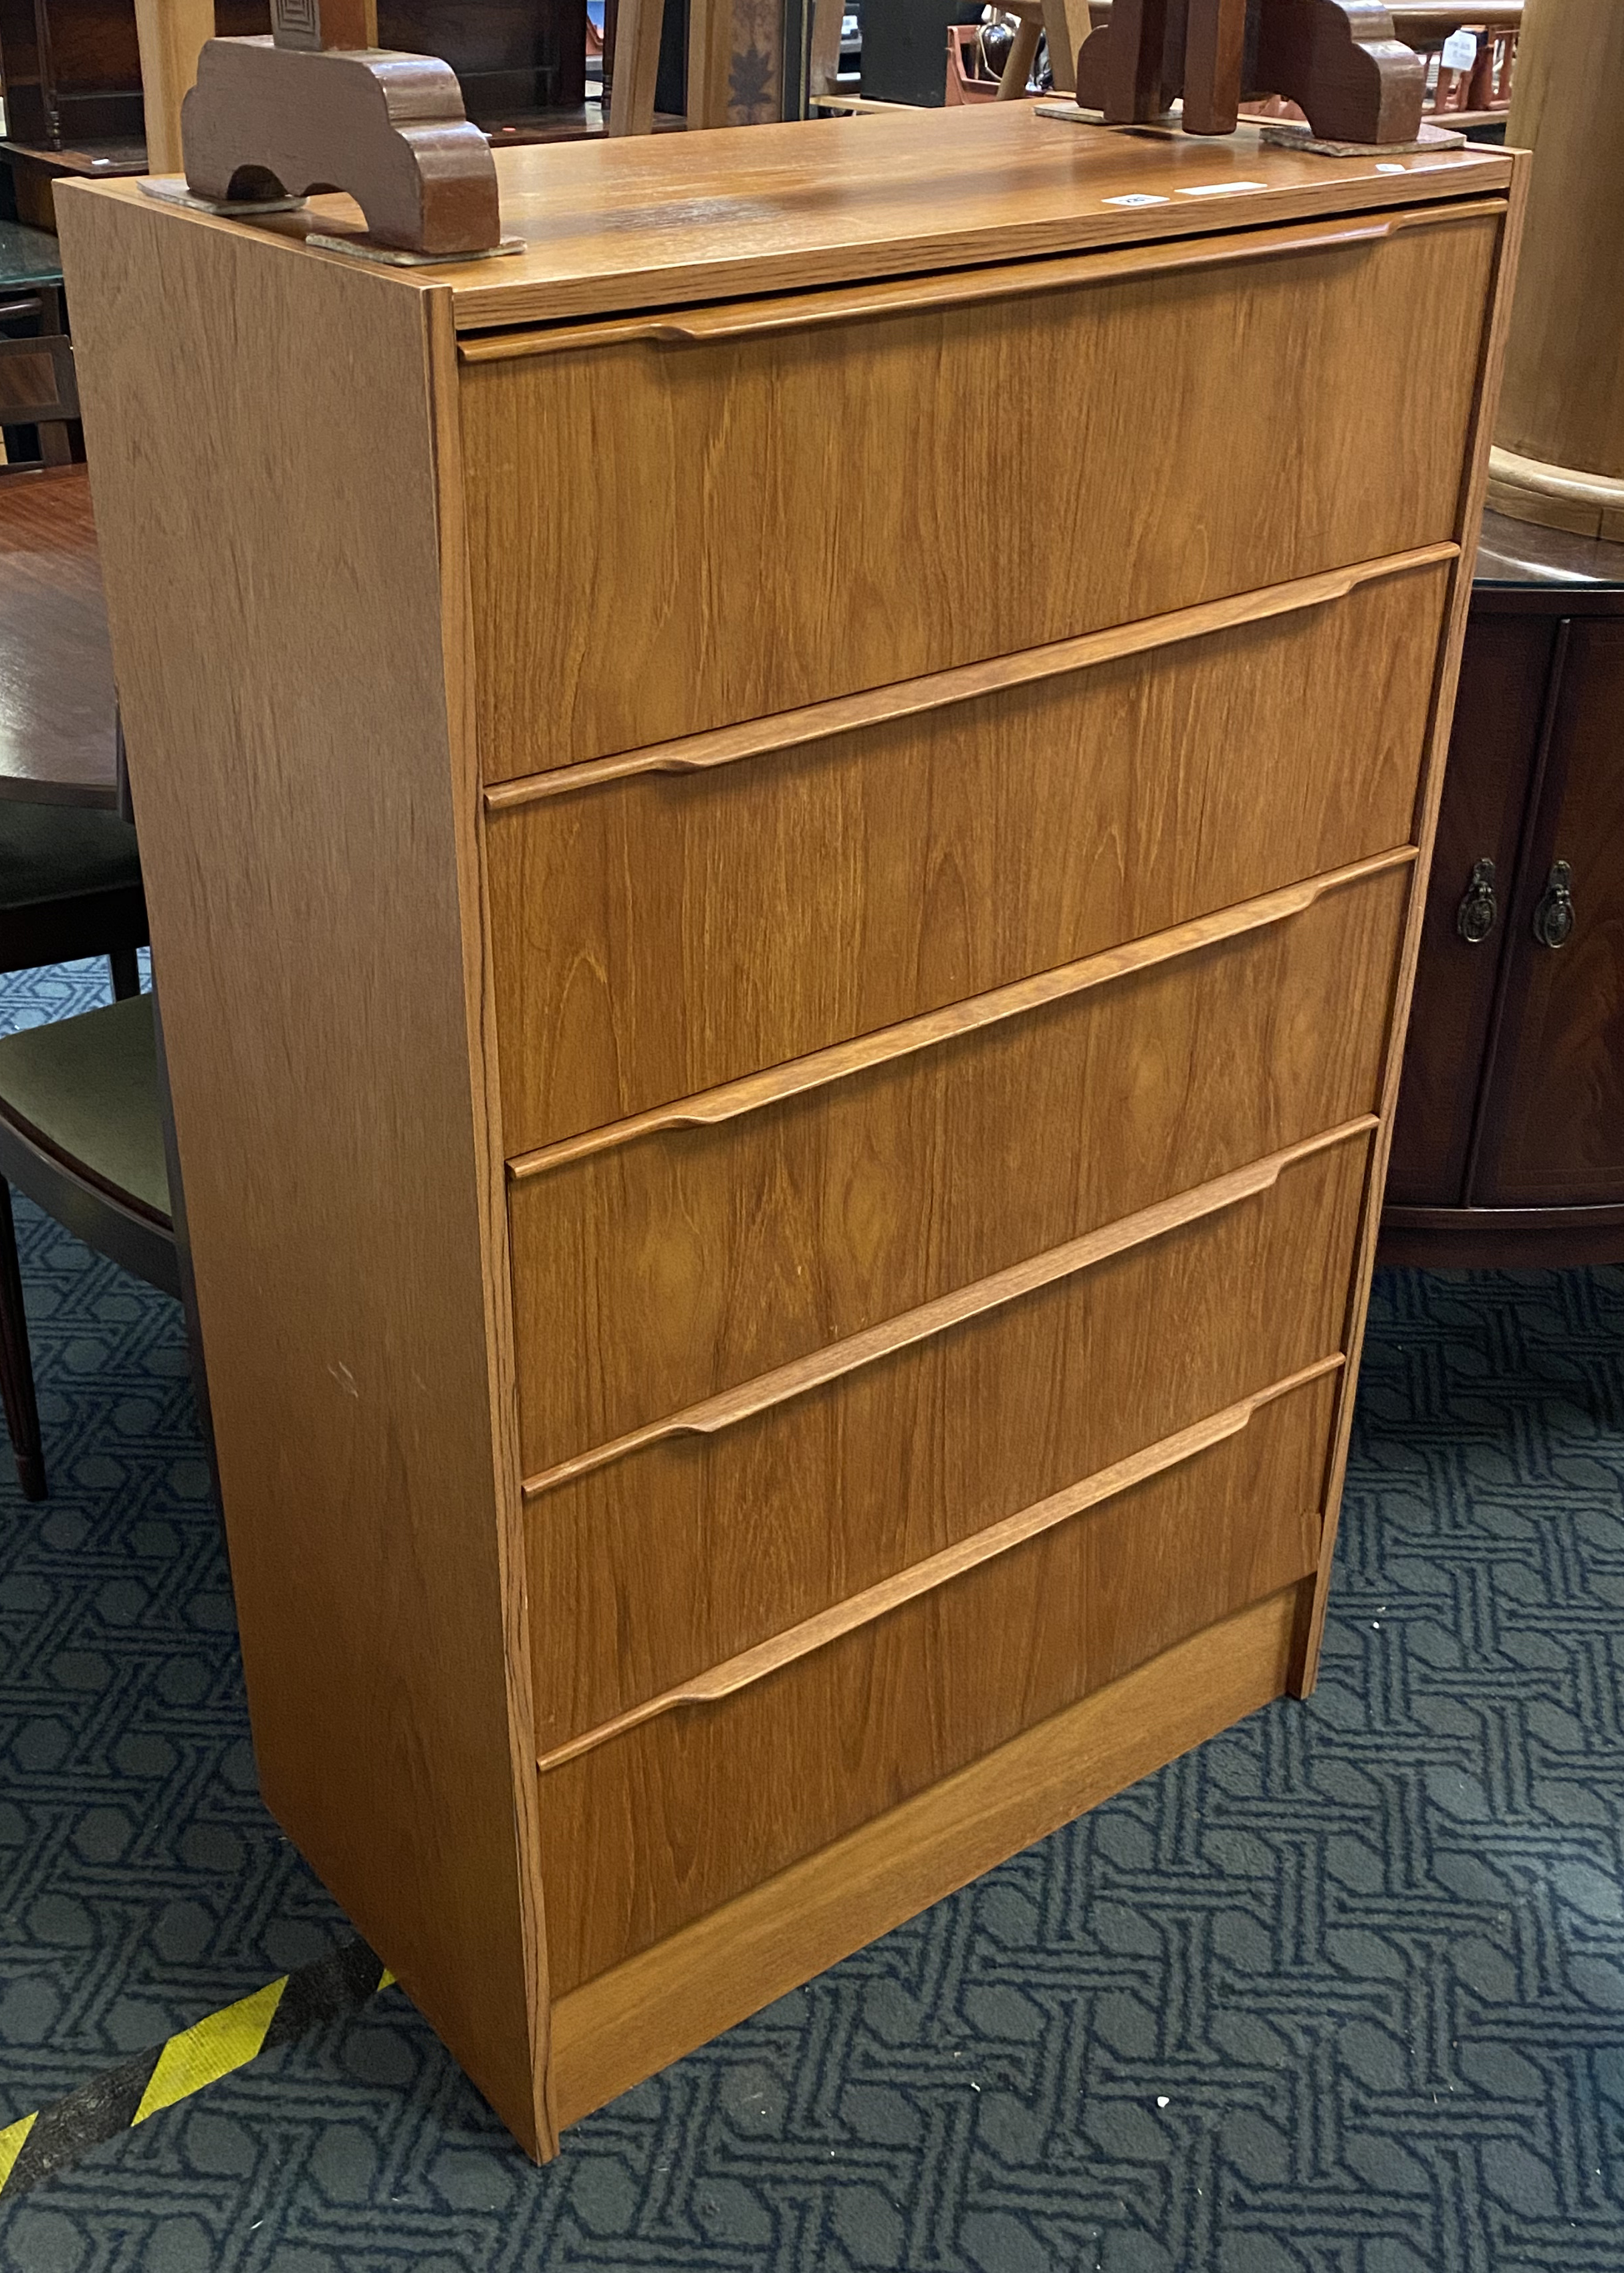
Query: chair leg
{"x":126,"y":973}
{"x":22,"y":1413}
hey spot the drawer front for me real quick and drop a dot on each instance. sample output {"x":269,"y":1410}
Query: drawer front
{"x":657,"y":934}
{"x":665,"y":538}
{"x":652,"y":1274}
{"x":665,"y":1823}
{"x":693,"y":1547}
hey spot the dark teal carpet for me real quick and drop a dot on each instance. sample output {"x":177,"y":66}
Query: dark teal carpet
{"x":1342,"y":1993}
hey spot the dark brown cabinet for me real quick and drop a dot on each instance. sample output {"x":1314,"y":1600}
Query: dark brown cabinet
{"x":73,"y":68}
{"x":1509,"y":1141}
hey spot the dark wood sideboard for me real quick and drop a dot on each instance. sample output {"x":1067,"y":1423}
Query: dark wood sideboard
{"x":1509,"y":1142}
{"x":73,"y":75}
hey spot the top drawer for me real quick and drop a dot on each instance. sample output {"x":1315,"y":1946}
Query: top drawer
{"x":681,"y":522}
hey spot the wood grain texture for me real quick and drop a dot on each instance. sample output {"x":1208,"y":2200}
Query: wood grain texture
{"x":645,"y":2012}
{"x":834,"y":1360}
{"x":170,"y":34}
{"x":489,"y":1190}
{"x":941,"y":690}
{"x":877,"y":875}
{"x":300,"y":820}
{"x":905,"y":1586}
{"x":812,"y":202}
{"x":657,"y":1273}
{"x":680,"y":1815}
{"x":1489,"y":364}
{"x":887,"y":1044}
{"x":828,"y":433}
{"x":1552,"y":1130}
{"x":648,"y":1571}
{"x":809,"y":311}
{"x":632,"y":224}
{"x":58,"y":732}
{"x":1506,"y":665}
{"x":1563,"y":403}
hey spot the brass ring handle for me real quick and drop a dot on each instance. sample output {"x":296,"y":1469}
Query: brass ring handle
{"x":1553,"y":918}
{"x":1475,"y":917}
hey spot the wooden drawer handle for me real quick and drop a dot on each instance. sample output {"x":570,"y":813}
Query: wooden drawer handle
{"x":1478,"y":912}
{"x":961,"y":288}
{"x":940,"y":690}
{"x":742,"y":320}
{"x":731,"y":1100}
{"x":813,"y":1633}
{"x":838,"y":1358}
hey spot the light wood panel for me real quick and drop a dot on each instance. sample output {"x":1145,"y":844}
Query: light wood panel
{"x":940,"y":690}
{"x":645,"y":2012}
{"x":643,"y":227}
{"x":722,"y":448}
{"x":677,"y":1816}
{"x":659,"y":220}
{"x":170,"y":34}
{"x":655,"y":1273}
{"x":883,"y":872}
{"x":824,"y":1626}
{"x":1564,"y":393}
{"x":694,"y":1549}
{"x":306,"y":818}
{"x":1475,"y":476}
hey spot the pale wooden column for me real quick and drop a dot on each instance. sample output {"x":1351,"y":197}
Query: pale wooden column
{"x":1559,"y":437}
{"x":637,"y":66}
{"x":171,"y":34}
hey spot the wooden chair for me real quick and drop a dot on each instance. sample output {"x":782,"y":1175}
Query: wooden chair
{"x":81,"y":1133}
{"x":70,"y":886}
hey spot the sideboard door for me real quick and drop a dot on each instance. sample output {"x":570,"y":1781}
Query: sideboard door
{"x":1505,"y":670}
{"x":1553,"y":1124}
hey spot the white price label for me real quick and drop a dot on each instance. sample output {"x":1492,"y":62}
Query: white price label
{"x":1460,"y":50}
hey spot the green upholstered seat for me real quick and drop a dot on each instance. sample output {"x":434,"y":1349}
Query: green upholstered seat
{"x":62,"y":852}
{"x":86,"y":1088}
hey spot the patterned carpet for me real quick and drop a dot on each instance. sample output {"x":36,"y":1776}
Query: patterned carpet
{"x":1343,"y":1993}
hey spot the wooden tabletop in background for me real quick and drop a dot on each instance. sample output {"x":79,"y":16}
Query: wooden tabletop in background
{"x":57,"y":733}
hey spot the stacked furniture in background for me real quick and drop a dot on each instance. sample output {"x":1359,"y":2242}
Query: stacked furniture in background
{"x":815,"y":1337}
{"x":75,"y":105}
{"x":1510,"y":1146}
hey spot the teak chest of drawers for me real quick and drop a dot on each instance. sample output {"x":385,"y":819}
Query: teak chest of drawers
{"x":784,"y":838}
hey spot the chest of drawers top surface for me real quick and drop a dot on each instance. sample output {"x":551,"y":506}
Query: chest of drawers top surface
{"x":609,"y":227}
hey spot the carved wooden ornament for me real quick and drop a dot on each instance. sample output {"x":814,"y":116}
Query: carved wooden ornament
{"x":267,"y":119}
{"x":1339,"y":60}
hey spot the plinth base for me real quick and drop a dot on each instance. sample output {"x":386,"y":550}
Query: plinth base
{"x":1556,"y":497}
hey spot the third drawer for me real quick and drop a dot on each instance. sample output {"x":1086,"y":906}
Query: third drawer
{"x":654,"y":1273}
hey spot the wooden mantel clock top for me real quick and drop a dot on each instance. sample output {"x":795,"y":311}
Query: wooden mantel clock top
{"x":318,"y":105}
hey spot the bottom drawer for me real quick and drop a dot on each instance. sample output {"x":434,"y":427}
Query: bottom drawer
{"x":654,"y":1827}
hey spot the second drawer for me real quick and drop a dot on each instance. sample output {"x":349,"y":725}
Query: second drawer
{"x":654,"y":935}
{"x":652,"y":1273}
